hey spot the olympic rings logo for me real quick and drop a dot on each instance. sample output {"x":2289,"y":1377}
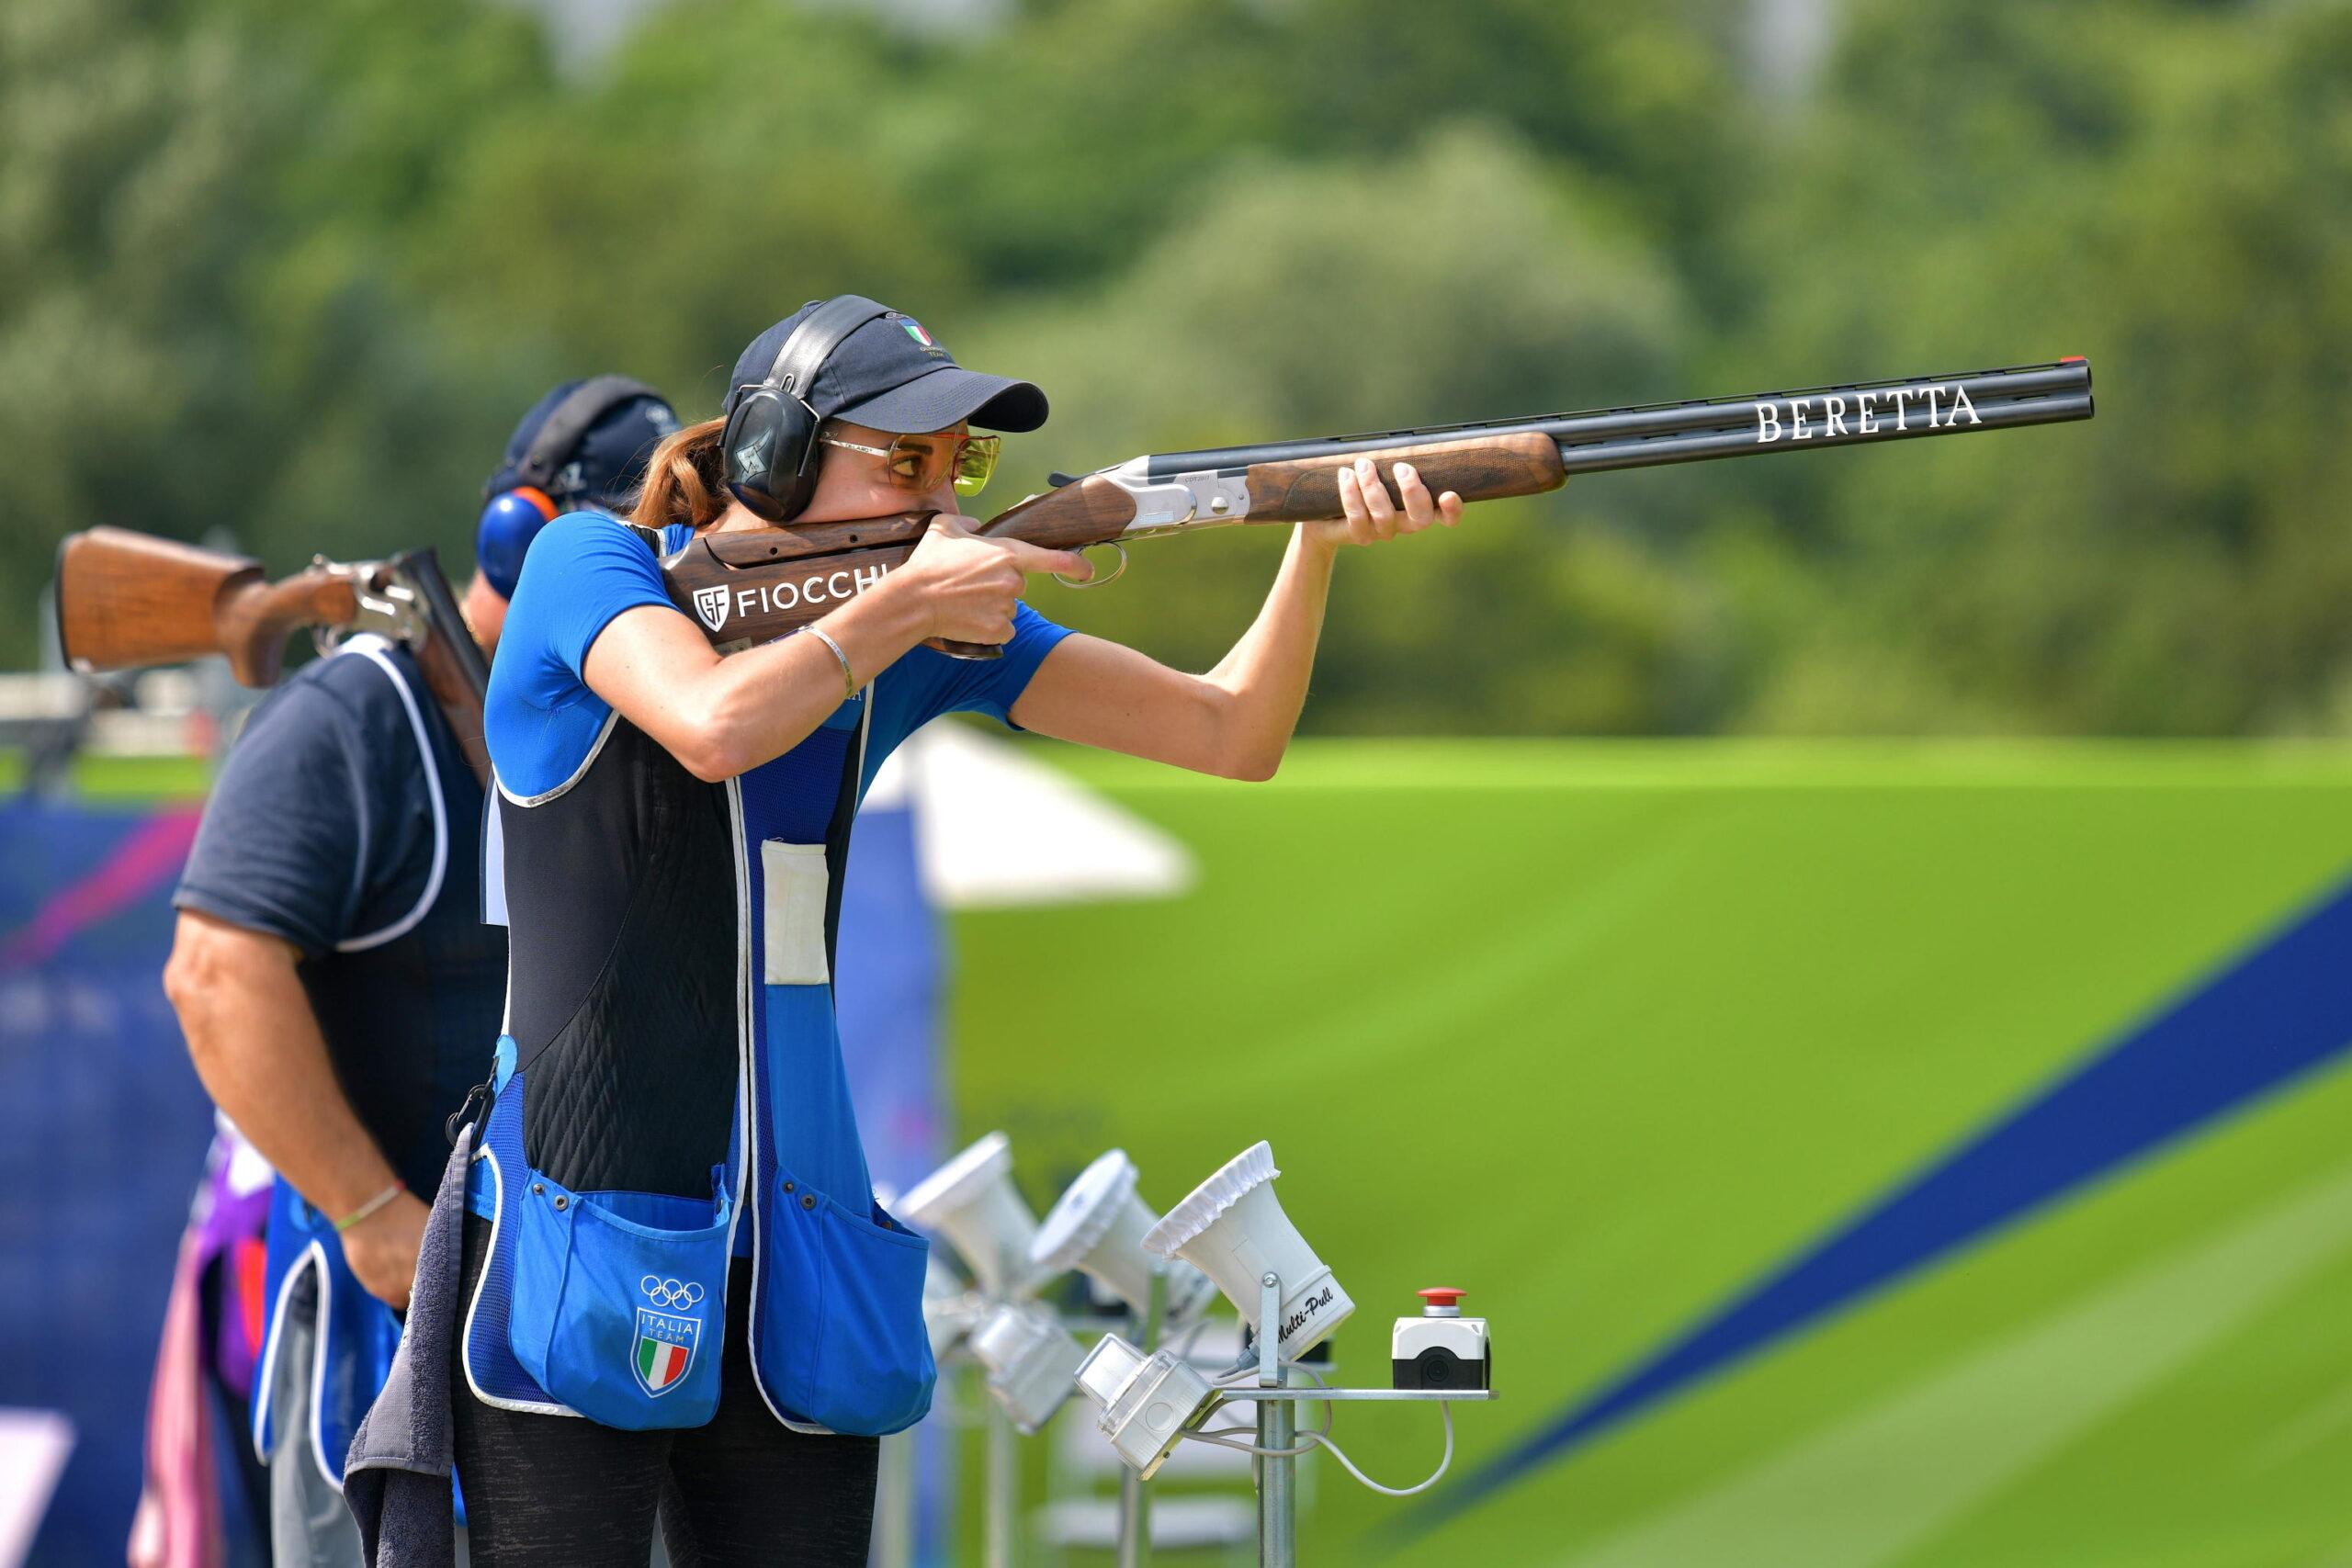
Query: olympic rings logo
{"x":671,"y":1292}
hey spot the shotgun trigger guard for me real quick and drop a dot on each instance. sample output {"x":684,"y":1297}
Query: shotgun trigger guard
{"x":1116,"y":573}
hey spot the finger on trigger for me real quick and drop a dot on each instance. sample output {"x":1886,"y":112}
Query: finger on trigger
{"x":1026,"y":557}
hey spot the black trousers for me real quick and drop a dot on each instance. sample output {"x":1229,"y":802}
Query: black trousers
{"x":566,"y":1493}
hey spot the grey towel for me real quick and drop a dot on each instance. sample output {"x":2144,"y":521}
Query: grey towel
{"x":396,"y":1479}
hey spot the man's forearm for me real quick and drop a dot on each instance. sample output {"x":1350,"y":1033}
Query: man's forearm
{"x":1265,"y":675}
{"x":257,"y":1045}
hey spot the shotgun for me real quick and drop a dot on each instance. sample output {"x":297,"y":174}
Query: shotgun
{"x":126,"y":599}
{"x":757,"y":584}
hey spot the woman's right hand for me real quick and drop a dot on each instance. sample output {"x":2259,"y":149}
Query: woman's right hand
{"x":967,"y":584}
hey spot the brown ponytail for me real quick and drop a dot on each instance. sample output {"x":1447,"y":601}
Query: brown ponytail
{"x":684,"y":481}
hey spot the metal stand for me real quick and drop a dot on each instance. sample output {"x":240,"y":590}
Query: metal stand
{"x":1134,"y":1503}
{"x":1001,"y":1501}
{"x":1277,"y":1431}
{"x":1278,"y":1428}
{"x":1001,"y":1506}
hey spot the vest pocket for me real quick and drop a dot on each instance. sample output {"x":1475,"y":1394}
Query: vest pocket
{"x":619,"y":1301}
{"x":843,"y":1328}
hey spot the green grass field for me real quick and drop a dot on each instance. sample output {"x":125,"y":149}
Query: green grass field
{"x":122,"y":778}
{"x":1599,"y":1033}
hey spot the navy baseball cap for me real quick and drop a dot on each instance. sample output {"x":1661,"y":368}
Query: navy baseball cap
{"x":606,"y":467}
{"x":892,"y":375}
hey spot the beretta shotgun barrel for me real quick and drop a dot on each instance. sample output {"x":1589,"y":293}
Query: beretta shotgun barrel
{"x":756,"y":584}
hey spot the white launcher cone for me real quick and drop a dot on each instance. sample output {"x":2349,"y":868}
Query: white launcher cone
{"x":1233,"y":1229}
{"x":1098,"y":1225}
{"x":971,"y":1200}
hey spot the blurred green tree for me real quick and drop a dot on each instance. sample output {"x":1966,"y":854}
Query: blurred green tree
{"x":1293,"y":304}
{"x":200,"y":329}
{"x":703,"y":184}
{"x":2168,"y":191}
{"x":292,"y":271}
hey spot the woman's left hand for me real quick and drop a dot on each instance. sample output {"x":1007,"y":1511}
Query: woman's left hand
{"x":1373,"y":515}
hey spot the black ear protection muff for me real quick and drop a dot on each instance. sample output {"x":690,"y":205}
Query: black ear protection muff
{"x":770,"y":443}
{"x":513,"y":516}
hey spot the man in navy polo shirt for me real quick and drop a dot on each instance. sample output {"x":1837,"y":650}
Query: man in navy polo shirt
{"x":331,"y":969}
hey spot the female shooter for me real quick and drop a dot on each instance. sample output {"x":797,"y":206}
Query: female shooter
{"x":669,"y":1226}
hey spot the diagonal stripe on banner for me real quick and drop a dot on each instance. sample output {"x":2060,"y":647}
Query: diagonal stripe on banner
{"x":2275,"y":1013}
{"x":150,"y":855}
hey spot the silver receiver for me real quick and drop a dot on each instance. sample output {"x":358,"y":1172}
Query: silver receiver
{"x":1202,"y":500}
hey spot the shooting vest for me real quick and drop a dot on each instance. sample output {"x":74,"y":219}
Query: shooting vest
{"x":404,"y":1010}
{"x":669,"y":1095}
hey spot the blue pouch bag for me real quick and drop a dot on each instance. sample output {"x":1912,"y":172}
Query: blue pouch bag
{"x":842,"y":1332}
{"x":620,"y":1299}
{"x":837,"y":1319}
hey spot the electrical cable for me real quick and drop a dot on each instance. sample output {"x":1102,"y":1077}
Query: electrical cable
{"x":1317,"y":1440}
{"x":1222,"y":1437}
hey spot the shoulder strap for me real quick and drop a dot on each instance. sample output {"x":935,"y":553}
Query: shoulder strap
{"x":838,"y":831}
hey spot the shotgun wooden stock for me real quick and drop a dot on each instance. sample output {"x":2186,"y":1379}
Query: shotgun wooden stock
{"x":754,"y":585}
{"x":127,"y":599}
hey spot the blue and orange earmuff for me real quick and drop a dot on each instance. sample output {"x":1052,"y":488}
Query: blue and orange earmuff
{"x":509,"y":524}
{"x":512,"y":517}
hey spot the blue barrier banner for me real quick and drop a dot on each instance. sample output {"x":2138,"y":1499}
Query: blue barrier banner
{"x":103,"y":1128}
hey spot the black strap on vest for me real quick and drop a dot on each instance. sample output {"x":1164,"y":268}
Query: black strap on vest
{"x":837,"y":835}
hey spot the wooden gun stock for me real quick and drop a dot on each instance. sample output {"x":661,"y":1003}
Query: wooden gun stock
{"x":126,"y":599}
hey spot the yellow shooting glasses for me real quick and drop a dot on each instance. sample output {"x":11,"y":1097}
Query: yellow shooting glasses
{"x":920,"y":462}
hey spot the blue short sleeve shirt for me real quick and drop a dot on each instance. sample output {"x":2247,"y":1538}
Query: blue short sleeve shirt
{"x":586,"y":567}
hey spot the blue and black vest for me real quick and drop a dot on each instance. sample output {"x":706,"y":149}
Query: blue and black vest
{"x":669,"y":1095}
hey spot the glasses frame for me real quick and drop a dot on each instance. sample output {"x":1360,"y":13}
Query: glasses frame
{"x":966,"y":444}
